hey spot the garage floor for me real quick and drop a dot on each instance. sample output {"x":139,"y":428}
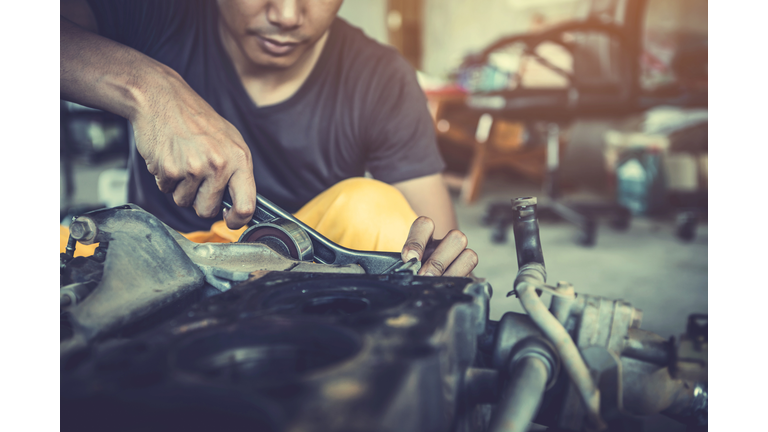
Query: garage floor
{"x":646,"y":265}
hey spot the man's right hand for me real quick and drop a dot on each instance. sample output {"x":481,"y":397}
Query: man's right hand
{"x":194,"y":153}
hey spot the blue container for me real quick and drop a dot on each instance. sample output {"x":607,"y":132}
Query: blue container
{"x":640,"y":183}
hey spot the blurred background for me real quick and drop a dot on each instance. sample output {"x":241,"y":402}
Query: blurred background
{"x":596,"y":107}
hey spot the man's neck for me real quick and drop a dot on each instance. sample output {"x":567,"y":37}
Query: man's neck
{"x":270,"y":86}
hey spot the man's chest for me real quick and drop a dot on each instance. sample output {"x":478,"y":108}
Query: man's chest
{"x":262,"y":93}
{"x":314,"y":126}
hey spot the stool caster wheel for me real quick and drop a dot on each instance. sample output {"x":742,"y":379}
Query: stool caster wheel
{"x":588,"y":235}
{"x":499,"y":235}
{"x":686,"y":226}
{"x":621,"y":220}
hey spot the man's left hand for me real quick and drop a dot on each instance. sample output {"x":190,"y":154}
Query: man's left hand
{"x":448,"y":256}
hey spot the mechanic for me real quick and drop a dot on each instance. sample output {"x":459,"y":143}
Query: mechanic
{"x":224,"y":96}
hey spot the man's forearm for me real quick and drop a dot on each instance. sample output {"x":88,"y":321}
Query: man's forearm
{"x":193,"y":153}
{"x":428,"y":196}
{"x":101,"y":73}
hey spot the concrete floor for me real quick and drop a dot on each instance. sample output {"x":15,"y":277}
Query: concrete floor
{"x":646,"y":265}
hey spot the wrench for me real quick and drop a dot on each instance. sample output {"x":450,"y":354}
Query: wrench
{"x":328,"y":252}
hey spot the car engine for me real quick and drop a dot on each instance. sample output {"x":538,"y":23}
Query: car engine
{"x":160,"y":333}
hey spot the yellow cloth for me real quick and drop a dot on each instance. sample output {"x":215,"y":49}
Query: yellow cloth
{"x":357,"y":213}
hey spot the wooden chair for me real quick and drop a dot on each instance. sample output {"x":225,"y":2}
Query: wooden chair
{"x":493,"y":143}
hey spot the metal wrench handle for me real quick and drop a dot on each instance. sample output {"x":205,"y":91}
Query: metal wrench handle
{"x":326,"y":251}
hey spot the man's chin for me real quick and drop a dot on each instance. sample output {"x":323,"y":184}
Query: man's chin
{"x":273,"y":62}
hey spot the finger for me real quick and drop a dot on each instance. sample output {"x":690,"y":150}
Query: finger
{"x":419,"y":235}
{"x":449,"y":248}
{"x":166,"y":177}
{"x":186,"y":191}
{"x":208,"y":198}
{"x":242,"y":189}
{"x":463,"y":264}
{"x":167,"y":184}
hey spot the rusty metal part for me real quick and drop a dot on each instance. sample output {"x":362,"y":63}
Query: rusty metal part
{"x":603,"y":322}
{"x":324,"y":250}
{"x":650,"y":389}
{"x":628,"y":386}
{"x":150,"y":268}
{"x":83,"y":229}
{"x":136,"y":282}
{"x":75,"y":293}
{"x":637,"y":383}
{"x":225,"y":264}
{"x":282,"y":235}
{"x":691,"y":408}
{"x":690,"y":362}
{"x":604,"y":331}
{"x":629,"y":365}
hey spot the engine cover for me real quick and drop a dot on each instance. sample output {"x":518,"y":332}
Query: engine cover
{"x":286,"y":351}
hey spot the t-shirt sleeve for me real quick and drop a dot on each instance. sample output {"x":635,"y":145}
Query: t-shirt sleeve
{"x":399,"y":131}
{"x":138,"y":24}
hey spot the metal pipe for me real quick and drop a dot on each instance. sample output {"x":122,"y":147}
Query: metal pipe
{"x":648,"y":347}
{"x":569,"y":353}
{"x":71,"y":245}
{"x":691,"y":408}
{"x":531,"y":274}
{"x":561,"y":306}
{"x":522,"y":396}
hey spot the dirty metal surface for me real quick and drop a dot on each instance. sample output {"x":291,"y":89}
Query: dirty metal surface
{"x":291,"y":351}
{"x":144,"y":269}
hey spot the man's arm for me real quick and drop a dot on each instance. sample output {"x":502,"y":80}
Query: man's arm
{"x":402,"y":145}
{"x":429,"y":197}
{"x":434,"y":237}
{"x":191,"y":150}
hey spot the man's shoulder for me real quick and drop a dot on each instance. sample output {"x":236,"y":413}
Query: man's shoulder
{"x":359,"y":50}
{"x":356,"y":37}
{"x":142,"y":24}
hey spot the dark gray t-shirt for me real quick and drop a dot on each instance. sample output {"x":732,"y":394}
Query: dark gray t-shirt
{"x":360,"y":109}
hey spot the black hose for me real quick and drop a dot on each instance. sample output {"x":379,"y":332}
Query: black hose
{"x":532,"y":273}
{"x":525,"y":227}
